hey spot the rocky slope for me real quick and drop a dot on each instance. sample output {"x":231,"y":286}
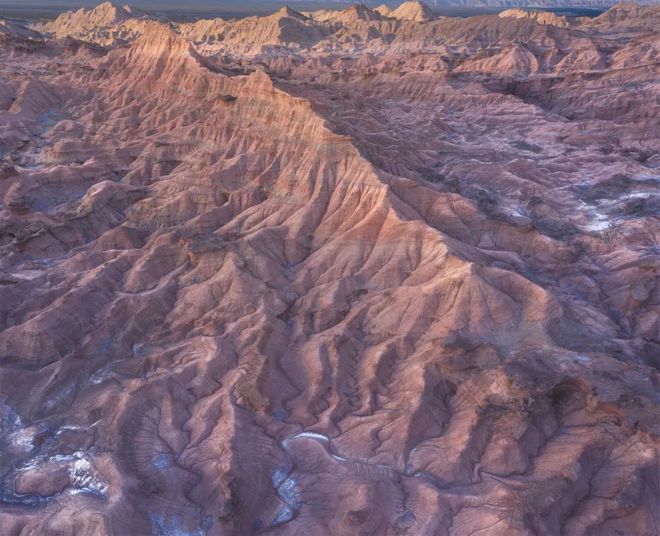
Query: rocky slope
{"x":330,"y":273}
{"x":413,"y":10}
{"x":542,"y":17}
{"x":106,"y":24}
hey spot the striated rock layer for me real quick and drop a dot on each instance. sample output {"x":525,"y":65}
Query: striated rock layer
{"x":542,"y":17}
{"x":334,"y":273}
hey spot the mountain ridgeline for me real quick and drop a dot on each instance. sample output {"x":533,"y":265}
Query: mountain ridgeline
{"x":366,"y":270}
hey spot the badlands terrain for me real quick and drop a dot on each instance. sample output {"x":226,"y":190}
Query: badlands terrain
{"x":357,"y":272}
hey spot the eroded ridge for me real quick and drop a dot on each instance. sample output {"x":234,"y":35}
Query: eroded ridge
{"x":339,"y":272}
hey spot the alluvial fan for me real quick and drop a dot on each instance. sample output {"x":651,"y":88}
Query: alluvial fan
{"x":353,"y":272}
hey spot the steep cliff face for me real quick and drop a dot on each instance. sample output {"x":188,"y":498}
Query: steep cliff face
{"x":252,"y":284}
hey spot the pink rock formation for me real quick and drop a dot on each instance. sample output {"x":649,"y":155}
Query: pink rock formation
{"x":384,"y":10}
{"x":107,"y":24}
{"x":354,"y":275}
{"x":542,"y":17}
{"x":413,"y":10}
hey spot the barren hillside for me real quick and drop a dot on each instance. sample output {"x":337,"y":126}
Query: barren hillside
{"x":334,"y":273}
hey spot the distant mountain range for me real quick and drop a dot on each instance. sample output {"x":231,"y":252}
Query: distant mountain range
{"x":439,"y":4}
{"x":259,"y":5}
